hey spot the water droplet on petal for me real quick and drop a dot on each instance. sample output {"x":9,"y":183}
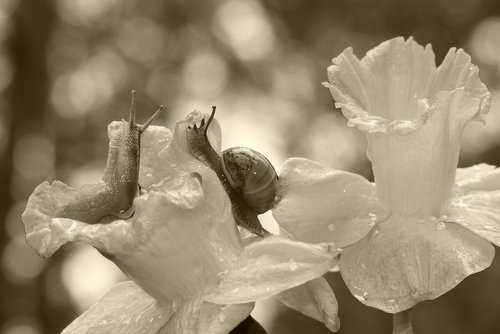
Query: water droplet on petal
{"x":331,"y":247}
{"x":360,"y":298}
{"x":392,"y":303}
{"x":440,"y":226}
{"x":331,"y":227}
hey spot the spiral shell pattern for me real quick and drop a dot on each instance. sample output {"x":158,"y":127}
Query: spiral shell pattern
{"x":252,"y":176}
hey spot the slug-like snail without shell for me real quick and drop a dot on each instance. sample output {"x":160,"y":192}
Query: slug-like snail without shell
{"x":248,"y":178}
{"x":114,"y":194}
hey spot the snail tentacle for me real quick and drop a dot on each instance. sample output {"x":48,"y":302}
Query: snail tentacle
{"x":199,"y":145}
{"x":131,"y":116}
{"x":146,"y":124}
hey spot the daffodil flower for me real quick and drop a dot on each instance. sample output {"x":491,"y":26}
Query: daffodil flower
{"x":189,"y":270}
{"x":423,"y":226}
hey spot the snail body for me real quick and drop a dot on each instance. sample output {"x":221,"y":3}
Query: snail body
{"x":114,"y":194}
{"x":247,"y":176}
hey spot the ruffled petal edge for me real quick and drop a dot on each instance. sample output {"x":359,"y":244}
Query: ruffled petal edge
{"x":476,"y":201}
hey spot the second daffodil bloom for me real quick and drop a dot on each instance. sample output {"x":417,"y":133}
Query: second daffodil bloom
{"x":190,"y":271}
{"x":424,"y":225}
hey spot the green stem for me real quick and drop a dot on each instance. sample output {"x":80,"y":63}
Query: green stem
{"x":249,"y":326}
{"x":401,"y":323}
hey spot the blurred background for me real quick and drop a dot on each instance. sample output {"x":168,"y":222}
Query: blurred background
{"x":66,"y":71}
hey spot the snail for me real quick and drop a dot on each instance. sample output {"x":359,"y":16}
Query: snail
{"x":247,"y":176}
{"x":115,"y":193}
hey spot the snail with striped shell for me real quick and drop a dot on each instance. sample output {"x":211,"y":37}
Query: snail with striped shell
{"x":248,"y":178}
{"x":115,"y":193}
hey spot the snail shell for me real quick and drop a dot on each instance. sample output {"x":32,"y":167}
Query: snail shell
{"x":252,"y":176}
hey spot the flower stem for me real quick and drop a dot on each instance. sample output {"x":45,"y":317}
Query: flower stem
{"x":249,"y":326}
{"x":401,"y":323}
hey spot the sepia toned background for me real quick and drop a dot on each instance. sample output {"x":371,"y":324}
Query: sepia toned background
{"x":66,"y":71}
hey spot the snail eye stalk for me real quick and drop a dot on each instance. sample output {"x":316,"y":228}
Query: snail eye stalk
{"x":244,"y":210}
{"x":199,"y":145}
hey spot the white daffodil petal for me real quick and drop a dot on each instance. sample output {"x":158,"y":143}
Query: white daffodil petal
{"x":314,"y":299}
{"x":196,"y":316}
{"x":126,"y":309}
{"x":478,"y":212}
{"x":482,"y":177}
{"x":46,"y":234}
{"x":406,"y":260}
{"x":270,"y":266}
{"x":153,"y":141}
{"x":476,"y":201}
{"x":320,"y":204}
